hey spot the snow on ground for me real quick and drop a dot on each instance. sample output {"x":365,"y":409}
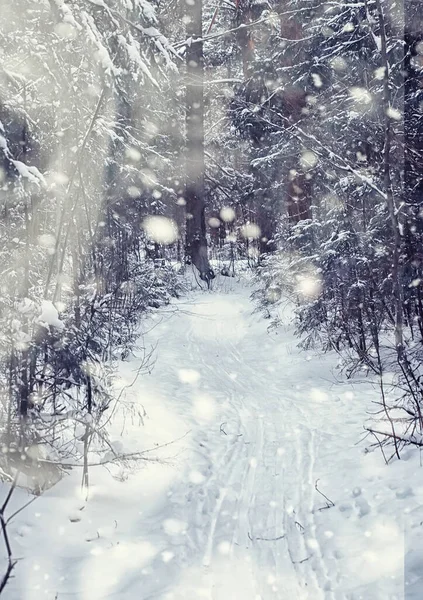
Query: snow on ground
{"x":232,"y":511}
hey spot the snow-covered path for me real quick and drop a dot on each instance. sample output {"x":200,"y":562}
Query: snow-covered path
{"x":266,"y":422}
{"x":234,"y":513}
{"x":253,"y":509}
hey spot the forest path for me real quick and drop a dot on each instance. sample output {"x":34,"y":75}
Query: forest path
{"x":257,"y":503}
{"x":243,"y":424}
{"x":244,"y":519}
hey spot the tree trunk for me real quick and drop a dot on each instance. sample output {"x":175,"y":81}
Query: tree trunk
{"x":196,"y":241}
{"x":390,"y":201}
{"x":244,"y":38}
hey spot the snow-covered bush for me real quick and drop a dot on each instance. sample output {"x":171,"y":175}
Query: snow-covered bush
{"x":80,"y":84}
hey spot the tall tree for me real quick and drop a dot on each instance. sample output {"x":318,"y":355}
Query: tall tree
{"x":196,"y":241}
{"x":80,"y":88}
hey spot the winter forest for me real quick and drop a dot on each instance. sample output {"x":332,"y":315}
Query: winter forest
{"x":211,"y":307}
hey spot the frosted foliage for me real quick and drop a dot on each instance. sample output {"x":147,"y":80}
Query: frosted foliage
{"x":147,"y":8}
{"x":29,"y":172}
{"x":161,"y":230}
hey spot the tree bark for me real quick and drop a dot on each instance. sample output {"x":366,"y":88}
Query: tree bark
{"x":244,"y":38}
{"x":196,"y":241}
{"x":390,"y":200}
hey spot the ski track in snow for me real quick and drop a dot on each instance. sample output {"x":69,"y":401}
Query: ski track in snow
{"x":236,"y":516}
{"x":256,"y":529}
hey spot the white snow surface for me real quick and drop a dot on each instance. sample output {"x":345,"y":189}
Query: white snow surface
{"x":232,"y":513}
